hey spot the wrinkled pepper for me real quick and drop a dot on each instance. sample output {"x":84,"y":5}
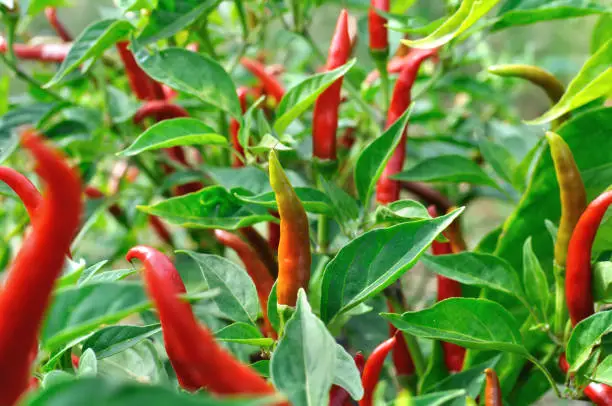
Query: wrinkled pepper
{"x":387,"y":189}
{"x":23,"y":303}
{"x":578,"y":289}
{"x":338,"y":396}
{"x":325,"y":115}
{"x":598,"y":393}
{"x":25,"y":190}
{"x":62,"y":32}
{"x":493,"y":394}
{"x":294,"y":247}
{"x":196,"y":357}
{"x":372,"y":369}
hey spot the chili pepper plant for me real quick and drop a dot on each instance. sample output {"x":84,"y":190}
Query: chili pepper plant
{"x":307,"y":203}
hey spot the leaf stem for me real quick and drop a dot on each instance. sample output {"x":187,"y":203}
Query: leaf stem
{"x":547,"y":374}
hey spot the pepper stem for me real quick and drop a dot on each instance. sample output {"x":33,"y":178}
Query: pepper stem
{"x":560,"y":307}
{"x":380,"y":59}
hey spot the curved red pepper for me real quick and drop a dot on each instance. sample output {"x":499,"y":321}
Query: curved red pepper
{"x":198,"y":360}
{"x":371,"y":371}
{"x":578,"y":289}
{"x":402,"y":360}
{"x":62,"y":32}
{"x":27,"y":192}
{"x":235,"y":128}
{"x":599,"y":393}
{"x":41,"y":259}
{"x":325,"y":115}
{"x":256,"y":269}
{"x":271,"y":85}
{"x":447,"y":288}
{"x":338,"y":396}
{"x":387,"y":190}
{"x":141,"y":84}
{"x":42,"y":53}
{"x":377,"y":26}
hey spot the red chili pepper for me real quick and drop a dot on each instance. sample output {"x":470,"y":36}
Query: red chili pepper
{"x":27,"y":192}
{"x":387,"y":190}
{"x":371,"y":371}
{"x":42,"y":53}
{"x":235,"y":129}
{"x":578,"y":290}
{"x":599,"y":393}
{"x":161,"y":230}
{"x":260,"y":245}
{"x":338,"y":396}
{"x":325,"y":115}
{"x":271,"y":85}
{"x":493,"y":394}
{"x":447,"y":288}
{"x":256,"y":269}
{"x":377,"y":26}
{"x":51,"y":14}
{"x":142,"y":85}
{"x":198,"y":360}
{"x":274,"y":233}
{"x":402,"y":360}
{"x":41,"y":259}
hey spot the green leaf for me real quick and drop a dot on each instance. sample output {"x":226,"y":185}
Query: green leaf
{"x":541,"y":198}
{"x":447,"y":168}
{"x":250,"y":178}
{"x":534,"y":279}
{"x":374,"y":158}
{"x":471,"y":323}
{"x":401,"y":211}
{"x":586,"y":336}
{"x":373,"y":261}
{"x":88,"y":364}
{"x":92,"y":43}
{"x":523,"y":12}
{"x":170,"y":17}
{"x":468,"y":13}
{"x":482,"y":270}
{"x":304,"y":362}
{"x":243,"y":333}
{"x":114,"y":339}
{"x":301,"y":96}
{"x":211,"y":207}
{"x":592,"y":82}
{"x":172,"y":133}
{"x":603,"y":373}
{"x":237,"y":299}
{"x":437,"y":399}
{"x":314,"y":200}
{"x":602,"y":32}
{"x":347,"y":375}
{"x":501,"y":160}
{"x":344,"y":207}
{"x":101,"y":392}
{"x":602,"y":282}
{"x":192,"y":73}
{"x":76,"y":311}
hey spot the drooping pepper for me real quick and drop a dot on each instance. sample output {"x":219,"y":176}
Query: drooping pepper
{"x":325,"y":115}
{"x":402,"y":360}
{"x":493,"y":394}
{"x":294,"y":247}
{"x":198,"y":360}
{"x":578,"y":290}
{"x":387,"y":190}
{"x":542,"y":78}
{"x":272,"y":86}
{"x":371,"y":371}
{"x":62,"y":32}
{"x":142,"y":86}
{"x":41,"y":258}
{"x":598,"y":393}
{"x":447,"y":288}
{"x":235,"y":129}
{"x":256,"y":269}
{"x":338,"y":396}
{"x":25,"y":190}
{"x":262,"y":247}
{"x":54,"y":53}
{"x":377,"y":27}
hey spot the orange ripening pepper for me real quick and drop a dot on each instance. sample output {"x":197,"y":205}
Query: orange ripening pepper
{"x":294,"y":247}
{"x":493,"y":394}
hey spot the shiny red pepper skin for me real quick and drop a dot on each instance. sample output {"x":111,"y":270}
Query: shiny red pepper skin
{"x":198,"y":360}
{"x":235,"y":129}
{"x":27,"y":192}
{"x":51,"y":14}
{"x":325,"y":115}
{"x":404,"y":366}
{"x":387,"y":190}
{"x":578,"y":290}
{"x":338,"y":396}
{"x":141,"y":84}
{"x":598,"y":393}
{"x":371,"y":371}
{"x":41,"y":259}
{"x":271,"y":85}
{"x":55,"y":53}
{"x":379,"y":41}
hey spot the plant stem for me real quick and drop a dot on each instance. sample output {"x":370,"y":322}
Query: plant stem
{"x":28,"y":79}
{"x":381,"y":65}
{"x":547,"y":374}
{"x":560,"y":308}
